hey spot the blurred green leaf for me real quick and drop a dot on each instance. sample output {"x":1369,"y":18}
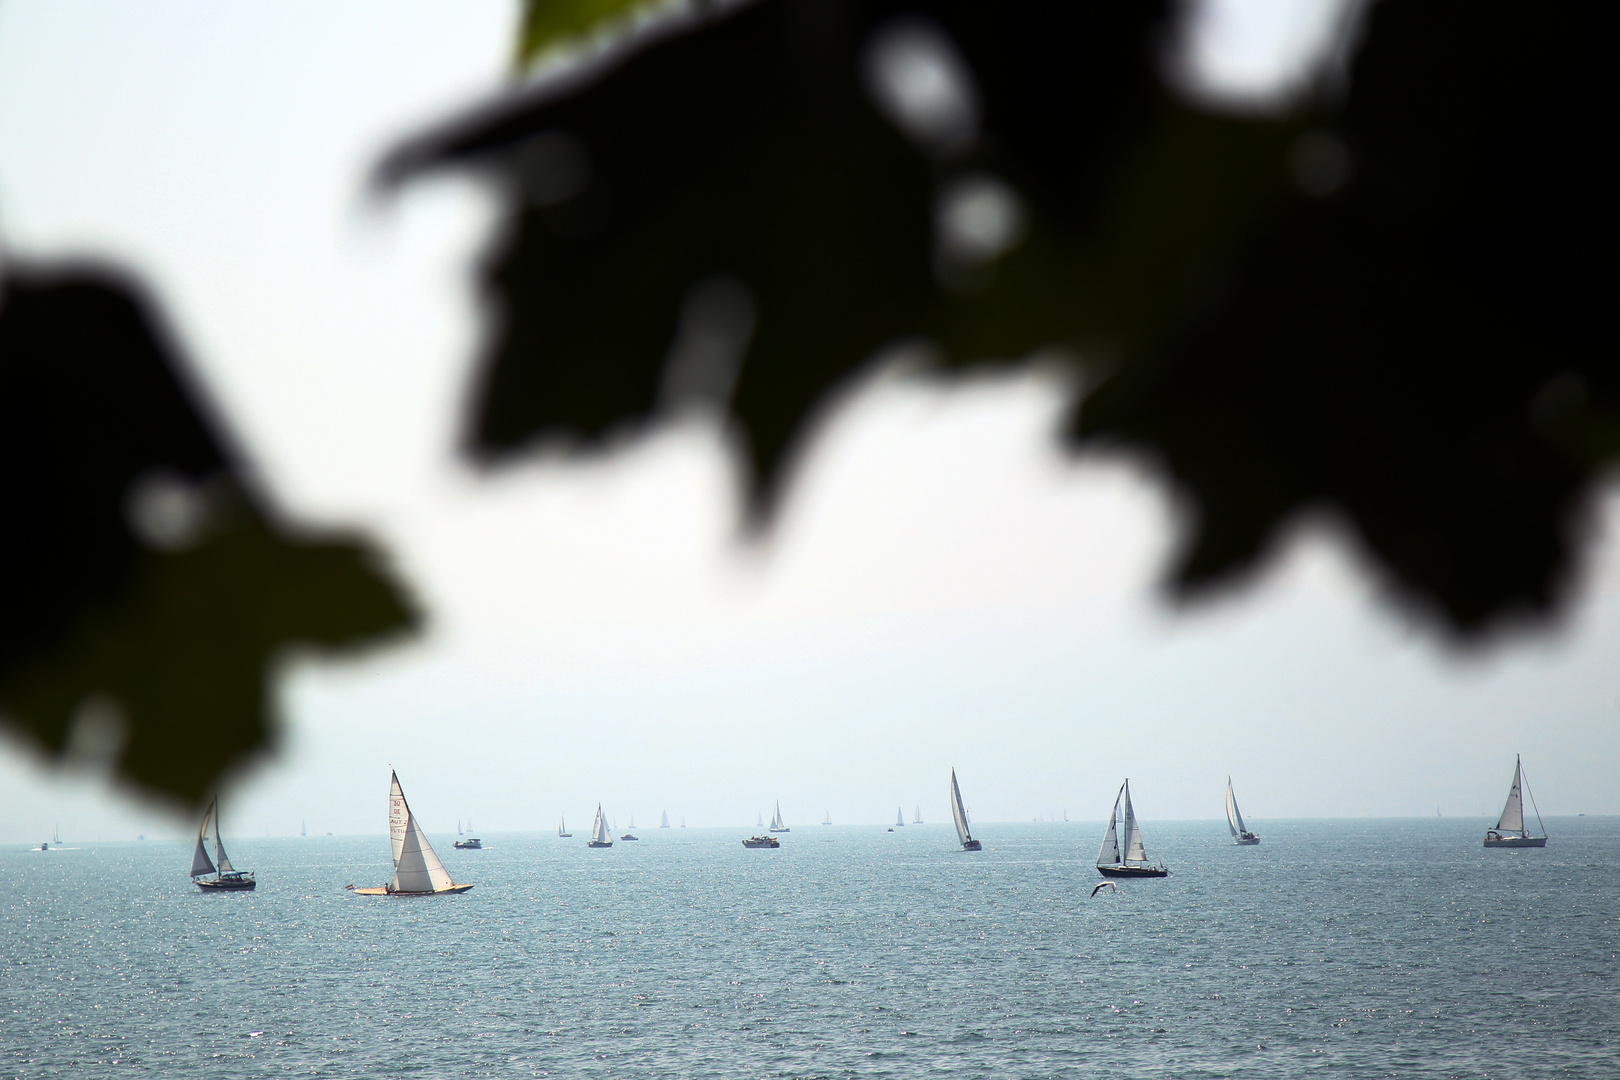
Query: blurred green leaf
{"x":1417,"y":333}
{"x":551,"y":24}
{"x":134,"y":571}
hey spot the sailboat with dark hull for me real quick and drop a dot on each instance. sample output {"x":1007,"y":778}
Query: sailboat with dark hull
{"x":417,"y":869}
{"x":1509,"y":830}
{"x":226,"y":878}
{"x":1234,"y":819}
{"x":1135,"y":862}
{"x":959,"y":816}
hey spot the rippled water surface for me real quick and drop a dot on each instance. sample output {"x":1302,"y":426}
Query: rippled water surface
{"x":1366,"y":948}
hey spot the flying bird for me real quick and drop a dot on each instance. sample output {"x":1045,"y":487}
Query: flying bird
{"x":1101,"y":885}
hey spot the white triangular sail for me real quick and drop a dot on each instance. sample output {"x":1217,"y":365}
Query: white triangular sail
{"x":1108,"y":854}
{"x":1512,"y":819}
{"x":1134,"y":852}
{"x":776,"y":818}
{"x":221,"y":860}
{"x":899,"y":815}
{"x":200,"y":862}
{"x":664,"y":824}
{"x":599,"y":831}
{"x":417,"y":868}
{"x":1234,"y":817}
{"x":562,"y":825}
{"x":959,"y":812}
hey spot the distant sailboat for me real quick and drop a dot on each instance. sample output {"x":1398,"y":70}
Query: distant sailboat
{"x":959,"y":815}
{"x":683,"y":822}
{"x":776,"y":819}
{"x":417,"y":869}
{"x":664,"y":824}
{"x":899,"y":817}
{"x":226,"y":877}
{"x":1234,"y":819}
{"x":916,"y":815}
{"x":760,"y":823}
{"x":1510,"y":830}
{"x":599,"y":831}
{"x":1135,"y":863}
{"x":827,"y":820}
{"x":303,"y":828}
{"x":562,"y":827}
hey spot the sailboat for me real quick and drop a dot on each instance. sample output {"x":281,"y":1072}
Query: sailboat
{"x":599,"y":831}
{"x":916,"y":815}
{"x":562,"y":827}
{"x":226,"y":877}
{"x":664,"y":823}
{"x":959,"y":815}
{"x":1234,"y":819}
{"x":417,"y":869}
{"x":1135,"y":863}
{"x":303,"y":827}
{"x":683,"y":821}
{"x":760,"y":822}
{"x":827,"y":819}
{"x":899,"y":817}
{"x":776,"y":819}
{"x":1510,"y":830}
{"x":631,"y":835}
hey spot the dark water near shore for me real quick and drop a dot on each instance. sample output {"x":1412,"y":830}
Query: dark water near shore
{"x":1343,"y":948}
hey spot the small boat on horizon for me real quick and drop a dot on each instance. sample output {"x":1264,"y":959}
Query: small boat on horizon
{"x":1134,"y":863}
{"x":777,"y":825}
{"x":916,"y":815}
{"x":1234,"y":819}
{"x":226,"y":877}
{"x":827,"y":820}
{"x":664,"y":824}
{"x":599,"y":831}
{"x":899,"y":817}
{"x":562,"y":827}
{"x":417,"y":869}
{"x":959,"y":816}
{"x":1509,"y":830}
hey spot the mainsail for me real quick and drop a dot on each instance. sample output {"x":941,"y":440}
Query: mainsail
{"x":417,"y":868}
{"x":664,"y":824}
{"x":899,"y":815}
{"x":200,"y":862}
{"x":959,"y":812}
{"x":1134,"y":852}
{"x":1108,"y":854}
{"x":599,"y":831}
{"x":1512,"y":819}
{"x":776,"y":818}
{"x":1234,"y":817}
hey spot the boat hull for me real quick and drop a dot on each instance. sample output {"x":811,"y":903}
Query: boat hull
{"x":598,"y":843}
{"x":227,"y":885}
{"x":1516,"y":841}
{"x":761,"y":842}
{"x":1247,"y":841}
{"x":972,"y":845}
{"x":393,"y":892}
{"x":1133,"y":871}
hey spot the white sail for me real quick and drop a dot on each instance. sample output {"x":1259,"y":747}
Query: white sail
{"x":1108,"y":854}
{"x":417,"y":868}
{"x":200,"y":862}
{"x":959,"y":812}
{"x":776,"y":818}
{"x":599,"y":831}
{"x":899,"y":815}
{"x":664,"y":824}
{"x":916,"y":815}
{"x":562,"y":825}
{"x":1234,"y":817}
{"x":1134,"y":852}
{"x":1512,"y":819}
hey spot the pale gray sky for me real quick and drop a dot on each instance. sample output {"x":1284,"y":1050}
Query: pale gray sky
{"x":945,"y":589}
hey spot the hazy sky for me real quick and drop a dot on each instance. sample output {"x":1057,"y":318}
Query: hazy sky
{"x":944,"y":589}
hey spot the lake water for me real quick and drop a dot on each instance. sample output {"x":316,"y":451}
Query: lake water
{"x":1395,"y":948}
